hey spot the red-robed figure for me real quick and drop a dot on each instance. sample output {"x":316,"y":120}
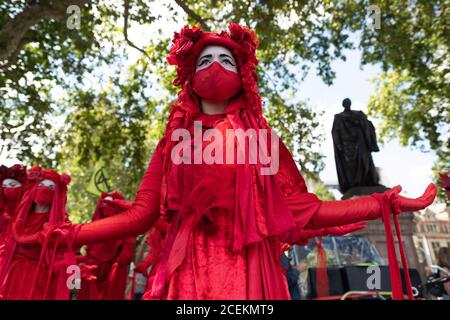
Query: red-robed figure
{"x":111,"y":258}
{"x":227,"y":219}
{"x":33,"y":266}
{"x":12,"y":182}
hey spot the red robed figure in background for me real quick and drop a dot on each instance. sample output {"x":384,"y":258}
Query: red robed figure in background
{"x":12,"y":181}
{"x":33,"y":266}
{"x":110,"y":258}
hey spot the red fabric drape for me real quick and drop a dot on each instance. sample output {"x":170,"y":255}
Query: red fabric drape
{"x":396,"y":282}
{"x":185,"y":231}
{"x":110,"y":258}
{"x":8,"y":206}
{"x":31,"y":270}
{"x":322,"y":283}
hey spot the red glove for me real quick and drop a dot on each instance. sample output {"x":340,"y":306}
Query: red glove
{"x":345,"y":212}
{"x":343,"y":230}
{"x":119,"y":204}
{"x":285,"y":247}
{"x":307,"y":234}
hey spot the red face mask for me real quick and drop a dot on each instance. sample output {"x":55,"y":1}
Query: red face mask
{"x":216,"y":83}
{"x":13,"y":194}
{"x":43,"y":196}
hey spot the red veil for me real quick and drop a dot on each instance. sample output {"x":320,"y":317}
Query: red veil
{"x":33,"y":267}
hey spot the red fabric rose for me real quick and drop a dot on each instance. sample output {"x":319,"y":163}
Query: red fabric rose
{"x":34,"y":174}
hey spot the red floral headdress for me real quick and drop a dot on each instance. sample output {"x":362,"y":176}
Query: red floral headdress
{"x":17,"y":172}
{"x":187,"y":45}
{"x":189,"y":42}
{"x":445,"y":182}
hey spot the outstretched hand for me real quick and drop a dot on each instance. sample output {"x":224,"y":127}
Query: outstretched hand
{"x":415,"y":204}
{"x":61,"y":231}
{"x":119,"y":204}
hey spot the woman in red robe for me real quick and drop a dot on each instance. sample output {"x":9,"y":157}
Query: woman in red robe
{"x":110,"y":258}
{"x":12,"y":180}
{"x":34,"y":267}
{"x":227,"y":219}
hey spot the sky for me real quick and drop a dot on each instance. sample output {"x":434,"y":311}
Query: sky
{"x":398,"y":165}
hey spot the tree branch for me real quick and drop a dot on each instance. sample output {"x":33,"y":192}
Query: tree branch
{"x":14,"y":31}
{"x":126,"y":5}
{"x":29,"y":37}
{"x":192,"y":14}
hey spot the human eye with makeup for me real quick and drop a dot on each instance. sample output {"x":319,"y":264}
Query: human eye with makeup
{"x":204,"y":60}
{"x":11,"y":183}
{"x":227,"y":60}
{"x":47,"y":183}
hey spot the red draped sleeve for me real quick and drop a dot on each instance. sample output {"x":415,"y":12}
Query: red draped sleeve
{"x":303,"y":205}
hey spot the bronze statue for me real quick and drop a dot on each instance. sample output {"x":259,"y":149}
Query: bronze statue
{"x":354,"y":139}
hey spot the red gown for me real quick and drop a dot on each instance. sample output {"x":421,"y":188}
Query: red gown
{"x":209,"y":268}
{"x":112,"y":259}
{"x":199,"y":257}
{"x":22,"y":269}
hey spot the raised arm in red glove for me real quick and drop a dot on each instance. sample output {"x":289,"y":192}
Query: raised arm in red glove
{"x":138,"y":219}
{"x":343,"y":212}
{"x":311,"y":213}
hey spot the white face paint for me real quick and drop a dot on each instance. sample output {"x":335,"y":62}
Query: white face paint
{"x":47,"y":183}
{"x":11,"y":183}
{"x":216,"y":53}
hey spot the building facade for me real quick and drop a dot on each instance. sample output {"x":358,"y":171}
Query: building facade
{"x":432,"y":233}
